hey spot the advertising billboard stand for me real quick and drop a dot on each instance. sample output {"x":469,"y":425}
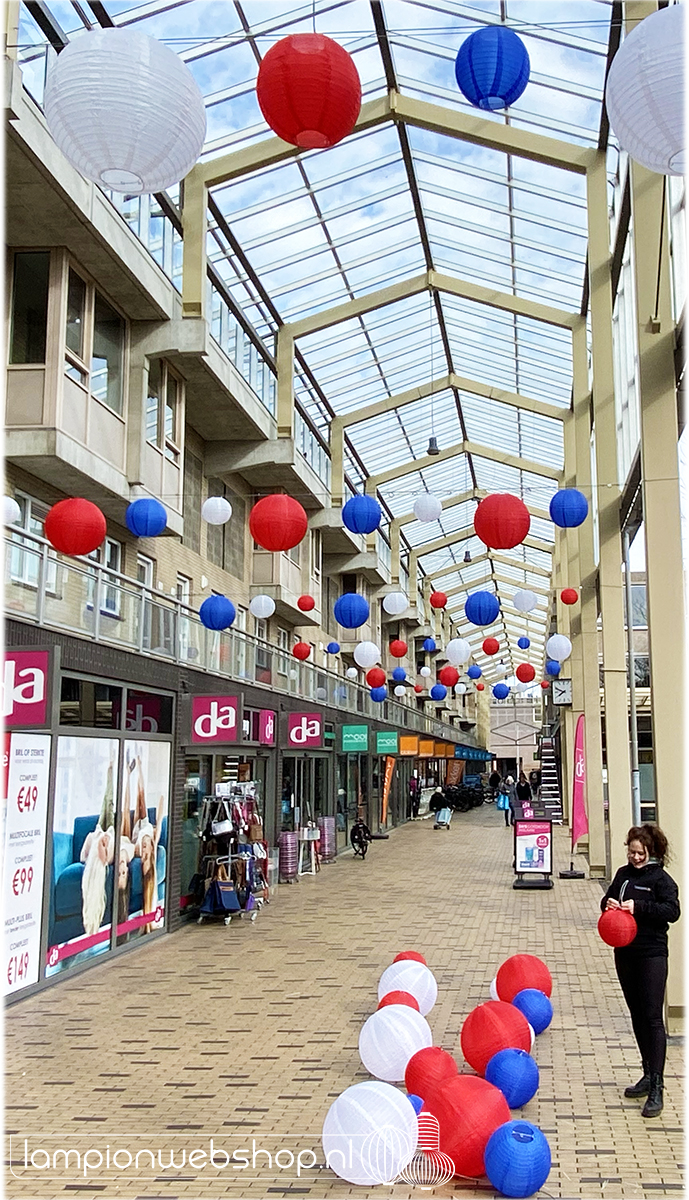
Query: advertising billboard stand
{"x":533,"y":854}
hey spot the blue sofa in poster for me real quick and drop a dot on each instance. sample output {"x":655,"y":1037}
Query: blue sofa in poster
{"x":65,"y":894}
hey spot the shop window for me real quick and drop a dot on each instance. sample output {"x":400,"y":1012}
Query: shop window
{"x":29,"y":307}
{"x":89,"y":704}
{"x":193,"y":481}
{"x":148,"y":712}
{"x":163,"y":408}
{"x":95,"y":335}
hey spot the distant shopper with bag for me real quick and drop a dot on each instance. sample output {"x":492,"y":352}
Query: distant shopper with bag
{"x":503,"y":801}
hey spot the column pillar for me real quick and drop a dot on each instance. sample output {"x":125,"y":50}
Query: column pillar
{"x":285,"y":366}
{"x":195,"y":224}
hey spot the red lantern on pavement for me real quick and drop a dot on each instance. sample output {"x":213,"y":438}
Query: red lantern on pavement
{"x":75,"y":526}
{"x":306,"y":603}
{"x":429,"y":1069}
{"x":617,"y":927}
{"x":569,"y":595}
{"x":438,"y":599}
{"x":522,"y":971}
{"x":449,"y":676}
{"x":468,"y":1111}
{"x":399,"y":998}
{"x":301,"y":650}
{"x":309,"y":91}
{"x":413,"y":955}
{"x":278,"y":523}
{"x":491,"y":645}
{"x":418,"y":688}
{"x":375,"y":677}
{"x":491,"y":1027}
{"x":502,"y":521}
{"x":525,"y":672}
{"x":398,"y":648}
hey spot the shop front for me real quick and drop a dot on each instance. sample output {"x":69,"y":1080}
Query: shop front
{"x":353,"y":784}
{"x":306,"y":771}
{"x":390,"y":779}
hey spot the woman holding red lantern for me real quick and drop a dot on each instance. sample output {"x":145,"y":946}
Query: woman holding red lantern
{"x":645,"y":890}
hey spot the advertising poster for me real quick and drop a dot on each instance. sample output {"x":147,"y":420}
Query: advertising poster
{"x":83,"y":850}
{"x":533,"y":841}
{"x":28,"y":772}
{"x":142,"y":857}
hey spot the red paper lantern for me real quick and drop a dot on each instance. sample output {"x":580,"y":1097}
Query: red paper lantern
{"x":428,"y":1070}
{"x":301,"y":650}
{"x":545,"y":683}
{"x":418,"y":688}
{"x":502,"y":521}
{"x":468,"y":1111}
{"x":491,"y":1027}
{"x":309,"y":91}
{"x":375,"y":677}
{"x":398,"y":648}
{"x":448,"y":676}
{"x":569,"y":595}
{"x":490,"y":645}
{"x":75,"y":526}
{"x":306,"y":603}
{"x":413,"y":955}
{"x":617,"y":927}
{"x":278,"y":523}
{"x":399,"y":998}
{"x":480,"y":687}
{"x":438,"y":599}
{"x":525,"y":672}
{"x":522,"y":971}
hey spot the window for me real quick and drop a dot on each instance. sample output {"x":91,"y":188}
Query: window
{"x":26,"y":554}
{"x":193,"y":479}
{"x":95,"y":705}
{"x":316,"y":553}
{"x":639,"y":616}
{"x":283,"y":645}
{"x":144,"y":570}
{"x":163,"y":408}
{"x":225,"y":543}
{"x":109,"y":555}
{"x":293,"y":554}
{"x":183,"y":590}
{"x":29,"y":307}
{"x":261,"y":629}
{"x":348,"y":584}
{"x":76,"y":315}
{"x":106,"y":359}
{"x":94,"y":343}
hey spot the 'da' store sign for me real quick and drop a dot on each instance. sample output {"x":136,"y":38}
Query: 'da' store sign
{"x":304,"y":730}
{"x":214,"y":719}
{"x":25,"y":688}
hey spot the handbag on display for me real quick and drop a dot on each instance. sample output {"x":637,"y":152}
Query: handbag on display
{"x":255,"y":830}
{"x":224,"y":824}
{"x":228,"y":897}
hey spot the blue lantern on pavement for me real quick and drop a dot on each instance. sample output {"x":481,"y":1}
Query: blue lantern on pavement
{"x":492,"y":67}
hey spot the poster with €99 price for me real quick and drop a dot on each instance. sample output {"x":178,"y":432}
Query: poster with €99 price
{"x":532,"y":841}
{"x":25,"y":836}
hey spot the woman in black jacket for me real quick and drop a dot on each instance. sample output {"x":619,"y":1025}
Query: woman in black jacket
{"x":645,"y":889}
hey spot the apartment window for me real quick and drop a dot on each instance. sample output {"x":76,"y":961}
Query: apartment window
{"x":261,"y":628}
{"x":76,"y":315}
{"x":316,"y":553}
{"x":163,"y":408}
{"x":26,"y":554}
{"x":144,"y":570}
{"x":348,"y":583}
{"x":29,"y":307}
{"x":225,"y":543}
{"x":109,"y":555}
{"x":193,"y":480}
{"x":94,"y":343}
{"x":294,"y":555}
{"x":283,"y":656}
{"x":183,"y":589}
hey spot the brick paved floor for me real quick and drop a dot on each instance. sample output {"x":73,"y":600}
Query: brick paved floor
{"x":248,"y":1032}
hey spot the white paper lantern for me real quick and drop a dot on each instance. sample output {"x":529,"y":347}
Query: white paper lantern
{"x":458,"y":651}
{"x":389,"y":1038}
{"x":294,"y":674}
{"x":262,"y":607}
{"x":366,"y":654}
{"x":558,"y":647}
{"x":352,"y":673}
{"x":321,"y":694}
{"x":410,"y":976}
{"x":524,"y":600}
{"x":395,"y":603}
{"x":427,"y":508}
{"x":425,"y":672}
{"x":370,"y":1133}
{"x":216,"y":510}
{"x":13,"y":512}
{"x":644,"y":94}
{"x":532,"y":1033}
{"x":400,"y":690}
{"x":125,"y":111}
{"x":460,"y":689}
{"x":494,"y":988}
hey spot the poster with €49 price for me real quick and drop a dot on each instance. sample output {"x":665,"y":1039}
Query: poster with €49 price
{"x":25,"y":833}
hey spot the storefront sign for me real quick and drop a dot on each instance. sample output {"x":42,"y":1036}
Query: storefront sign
{"x":143,"y":712}
{"x":355,"y":738}
{"x":454,"y":772}
{"x":25,"y":836}
{"x":305,"y":729}
{"x":266,"y":727}
{"x":25,"y":687}
{"x":426,"y":748}
{"x":214,"y":719}
{"x":386,"y":743}
{"x":409,"y":745}
{"x":533,"y":841}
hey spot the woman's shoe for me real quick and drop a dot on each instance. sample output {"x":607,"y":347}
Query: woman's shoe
{"x":654,"y":1105}
{"x":639,"y":1089}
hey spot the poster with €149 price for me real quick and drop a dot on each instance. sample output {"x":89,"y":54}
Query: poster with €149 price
{"x":25,"y":832}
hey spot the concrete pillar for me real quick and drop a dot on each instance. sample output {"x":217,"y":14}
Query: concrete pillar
{"x":194,"y":265}
{"x":285,"y":366}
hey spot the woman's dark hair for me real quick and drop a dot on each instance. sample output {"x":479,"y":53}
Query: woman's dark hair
{"x":653,"y":838}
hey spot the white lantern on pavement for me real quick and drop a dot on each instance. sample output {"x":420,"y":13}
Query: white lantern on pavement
{"x":216,"y":510}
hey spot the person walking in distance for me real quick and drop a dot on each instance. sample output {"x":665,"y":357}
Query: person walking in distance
{"x":503,"y":802}
{"x":523,"y":790}
{"x":645,"y":889}
{"x":494,"y":783}
{"x":415,"y":796}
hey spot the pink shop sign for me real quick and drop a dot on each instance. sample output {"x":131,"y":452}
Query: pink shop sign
{"x":214,"y":719}
{"x":25,"y":687}
{"x":266,"y":727}
{"x":304,"y":729}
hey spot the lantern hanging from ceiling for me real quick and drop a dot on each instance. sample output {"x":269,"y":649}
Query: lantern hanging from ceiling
{"x":568,"y":508}
{"x":429,"y":645}
{"x":216,"y":510}
{"x":458,"y":651}
{"x":427,"y":508}
{"x":278,"y":523}
{"x":217,"y":612}
{"x":375,"y":677}
{"x":306,"y":603}
{"x":438,"y":691}
{"x":481,"y":608}
{"x":75,"y":526}
{"x":400,"y":690}
{"x":301,"y":650}
{"x":262,"y":607}
{"x":309,"y":91}
{"x":524,"y":643}
{"x":418,"y":688}
{"x":524,"y":600}
{"x":399,"y":674}
{"x":351,"y":610}
{"x":398,"y":648}
{"x":352,"y":673}
{"x":492,"y":67}
{"x":545,"y":683}
{"x":448,"y":676}
{"x":502,"y":521}
{"x":362,"y":514}
{"x":644,"y":93}
{"x":552,"y":667}
{"x":332,"y":648}
{"x":395,"y":603}
{"x":474,"y":671}
{"x":378,"y":694}
{"x":146,"y":517}
{"x":425,"y":672}
{"x":460,"y":689}
{"x":525,"y":672}
{"x":13,"y":512}
{"x":501,"y":691}
{"x":569,"y":595}
{"x":438,"y":599}
{"x":366,"y":655}
{"x":559,"y":647}
{"x":480,"y":687}
{"x":125,"y":111}
{"x":490,"y":646}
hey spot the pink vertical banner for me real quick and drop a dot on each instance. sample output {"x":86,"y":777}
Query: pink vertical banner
{"x":580,"y":823}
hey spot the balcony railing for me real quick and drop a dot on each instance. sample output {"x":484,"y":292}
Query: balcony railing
{"x":90,"y":601}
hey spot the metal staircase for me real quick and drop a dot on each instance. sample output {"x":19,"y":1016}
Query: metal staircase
{"x":549,"y":803}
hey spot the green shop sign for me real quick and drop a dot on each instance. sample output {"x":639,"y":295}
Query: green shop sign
{"x":386,"y":743}
{"x":355,"y":738}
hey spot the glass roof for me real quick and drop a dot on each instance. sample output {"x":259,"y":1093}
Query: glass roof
{"x":390,"y":203}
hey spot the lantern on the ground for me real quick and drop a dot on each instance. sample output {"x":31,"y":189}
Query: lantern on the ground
{"x":448,"y":676}
{"x":411,"y":956}
{"x":375,"y":677}
{"x":309,"y":91}
{"x":395,"y":603}
{"x":390,"y":1037}
{"x":569,"y":595}
{"x":262,"y":607}
{"x":351,"y":610}
{"x":146,"y":517}
{"x":301,"y":651}
{"x":525,"y":672}
{"x":370,"y":1133}
{"x":125,"y":111}
{"x":468,"y":1110}
{"x":75,"y":526}
{"x":398,"y":648}
{"x":536,"y":1007}
{"x":491,"y":646}
{"x":216,"y":510}
{"x":410,"y":976}
{"x":502,"y":521}
{"x":217,"y":612}
{"x":481,"y":608}
{"x":458,"y":651}
{"x":501,"y":691}
{"x":366,"y":655}
{"x":427,"y":508}
{"x":474,"y":671}
{"x":517,"y":1159}
{"x":306,"y":603}
{"x":492,"y":67}
{"x":558,"y":647}
{"x":516,"y":1074}
{"x":278,"y":523}
{"x":399,"y":998}
{"x":438,"y":599}
{"x":522,"y":971}
{"x":428,"y":1069}
{"x":362,"y":514}
{"x":490,"y":1027}
{"x":568,"y":508}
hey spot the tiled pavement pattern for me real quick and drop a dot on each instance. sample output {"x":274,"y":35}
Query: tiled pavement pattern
{"x":248,"y":1032}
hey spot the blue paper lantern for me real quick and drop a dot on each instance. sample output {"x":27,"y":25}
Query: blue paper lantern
{"x":524,"y":643}
{"x":429,"y":645}
{"x":217,"y":612}
{"x":399,"y":674}
{"x":569,"y":508}
{"x":501,"y":691}
{"x":517,"y":1158}
{"x":481,"y":608}
{"x":438,"y":691}
{"x":552,"y":667}
{"x":362,"y":514}
{"x":474,"y":671}
{"x":378,"y":694}
{"x":536,"y":1007}
{"x":333,"y":648}
{"x":516,"y":1074}
{"x":492,"y":67}
{"x":351,"y":610}
{"x":146,"y":517}
{"x":415,"y":1101}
